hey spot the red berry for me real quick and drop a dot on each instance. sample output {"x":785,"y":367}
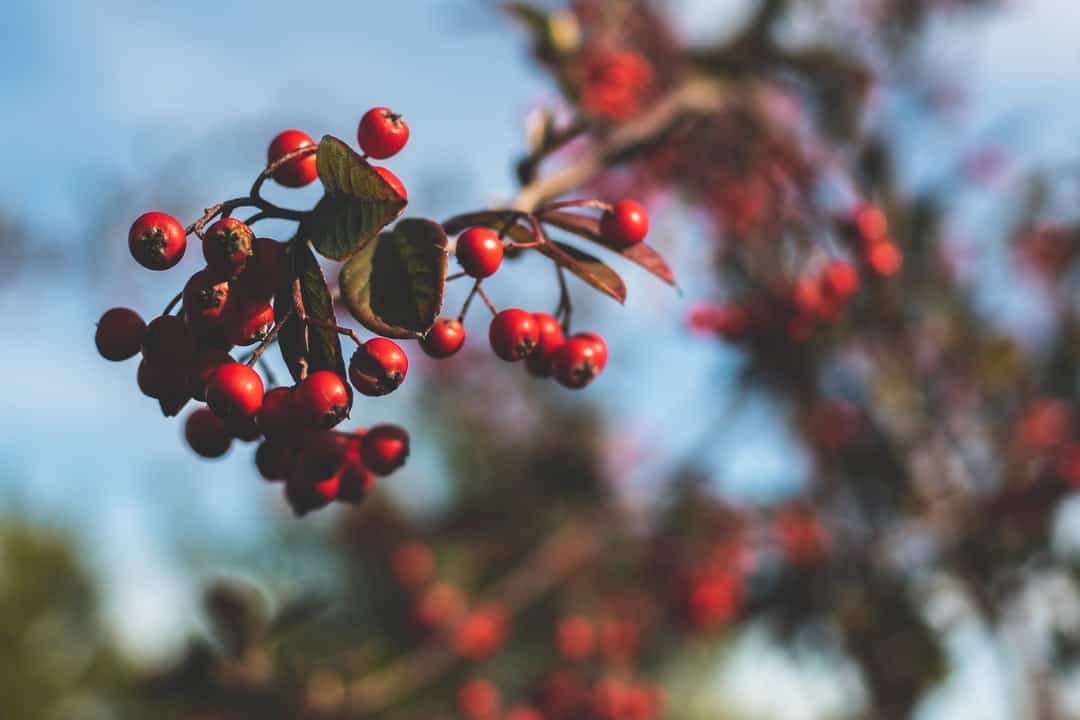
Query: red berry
{"x":322,"y":400}
{"x":840,"y":279}
{"x":206,"y":362}
{"x":626,"y":224}
{"x":378,"y":367}
{"x":384,"y":448}
{"x":478,"y":699}
{"x":885,"y":259}
{"x":161,"y":382}
{"x":482,"y":632}
{"x":276,"y":419}
{"x":303,"y":497}
{"x":227,"y":245}
{"x":321,"y":457}
{"x":444,"y":338}
{"x":268,"y":269}
{"x":205,"y":433}
{"x":480,"y":251}
{"x":119,"y":334}
{"x":551,"y":339}
{"x":601,"y":348}
{"x":513,"y":334}
{"x":382,"y":133}
{"x":575,"y":638}
{"x":275,"y":460}
{"x":392,"y":180}
{"x":234,"y":389}
{"x":523,"y":712}
{"x":168,"y":342}
{"x":157,"y":241}
{"x":298,"y":172}
{"x":356,"y":479}
{"x":205,"y":296}
{"x":248,"y":320}
{"x":576,"y":363}
{"x":413,"y":565}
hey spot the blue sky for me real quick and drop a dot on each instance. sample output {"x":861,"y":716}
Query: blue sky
{"x":105,"y":101}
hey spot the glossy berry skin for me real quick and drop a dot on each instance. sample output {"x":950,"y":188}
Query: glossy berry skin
{"x":392,"y":180}
{"x":480,"y":252}
{"x":275,"y":460}
{"x":626,"y":224}
{"x":248,"y":320}
{"x":378,"y":367}
{"x":384,"y":448}
{"x":205,"y":433}
{"x":382,"y":133}
{"x":551,"y":339}
{"x":513,"y":334}
{"x":322,"y":400}
{"x":576,"y":363}
{"x":206,"y":362}
{"x":168,"y":342}
{"x":444,"y":338}
{"x":119,"y":334}
{"x":600,"y":344}
{"x":205,"y":296}
{"x":157,"y":241}
{"x":234,"y":389}
{"x":298,"y":172}
{"x":267,"y":271}
{"x":276,"y":419}
{"x":227,"y":245}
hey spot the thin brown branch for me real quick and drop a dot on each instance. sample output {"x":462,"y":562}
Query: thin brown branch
{"x":486,"y":299}
{"x":256,"y":354}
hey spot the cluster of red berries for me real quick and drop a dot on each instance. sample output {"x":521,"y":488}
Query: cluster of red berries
{"x":799,"y":307}
{"x":538,"y":338}
{"x":228,"y":303}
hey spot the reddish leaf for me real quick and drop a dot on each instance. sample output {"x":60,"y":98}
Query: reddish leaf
{"x":590,"y":269}
{"x":588,"y":227}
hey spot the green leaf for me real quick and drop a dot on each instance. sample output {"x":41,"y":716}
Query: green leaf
{"x":322,"y":347}
{"x":590,"y":269}
{"x":358,"y":202}
{"x":394,"y":285}
{"x":588,"y":227}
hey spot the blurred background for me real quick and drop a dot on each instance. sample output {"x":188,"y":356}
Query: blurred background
{"x":742,"y":518}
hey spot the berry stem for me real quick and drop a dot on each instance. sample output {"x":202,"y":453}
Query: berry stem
{"x":596,"y":204}
{"x":172,"y":303}
{"x":565,"y":308}
{"x":269,"y":170}
{"x":468,"y":301}
{"x":455,"y":276}
{"x":487,"y":301}
{"x":256,"y":354}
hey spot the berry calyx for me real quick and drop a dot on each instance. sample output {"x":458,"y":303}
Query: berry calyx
{"x":205,"y":296}
{"x":248,"y":320}
{"x":168,"y":342}
{"x":297,"y":172}
{"x":392,"y":180}
{"x":513,"y":334}
{"x":576,"y":363}
{"x":378,"y":367}
{"x":119,"y":334}
{"x":227,"y":245}
{"x":384,"y":448}
{"x":234,"y":389}
{"x":551,"y":339}
{"x":157,"y":241}
{"x":276,"y":419}
{"x":382,"y":133}
{"x":322,"y":400}
{"x":206,"y":362}
{"x":205,"y":433}
{"x":480,"y":251}
{"x":626,"y":224}
{"x":444,"y":338}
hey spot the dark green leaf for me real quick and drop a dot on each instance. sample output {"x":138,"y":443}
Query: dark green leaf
{"x":587,"y":227}
{"x":586,"y":267}
{"x":394,"y":285}
{"x":323,"y":347}
{"x":358,"y":202}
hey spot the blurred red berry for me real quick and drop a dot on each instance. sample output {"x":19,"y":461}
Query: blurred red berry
{"x":385,"y":448}
{"x":168,"y":342}
{"x":119,"y":334}
{"x":205,"y":433}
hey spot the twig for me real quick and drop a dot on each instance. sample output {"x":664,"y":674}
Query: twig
{"x":565,"y":308}
{"x":468,"y":301}
{"x":256,"y":354}
{"x":487,"y":301}
{"x":172,"y":303}
{"x":336,"y":328}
